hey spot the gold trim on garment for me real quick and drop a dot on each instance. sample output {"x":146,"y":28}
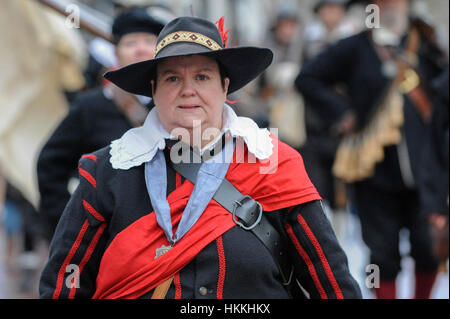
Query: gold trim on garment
{"x":358,"y":153}
{"x":410,"y":82}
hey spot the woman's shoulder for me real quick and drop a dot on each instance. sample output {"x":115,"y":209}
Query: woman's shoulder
{"x":100,"y":157}
{"x":96,"y":164}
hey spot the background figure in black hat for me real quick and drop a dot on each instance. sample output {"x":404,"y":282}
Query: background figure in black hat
{"x":96,"y":116}
{"x":101,"y":52}
{"x":387,"y":72}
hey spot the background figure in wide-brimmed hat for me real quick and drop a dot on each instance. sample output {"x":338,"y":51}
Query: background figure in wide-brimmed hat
{"x":97,"y":116}
{"x":383,"y":120}
{"x":135,"y":228}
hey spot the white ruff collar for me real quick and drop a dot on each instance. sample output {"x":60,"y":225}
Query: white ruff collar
{"x":139,"y":145}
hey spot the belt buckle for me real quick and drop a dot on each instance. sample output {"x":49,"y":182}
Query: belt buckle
{"x":238,"y":203}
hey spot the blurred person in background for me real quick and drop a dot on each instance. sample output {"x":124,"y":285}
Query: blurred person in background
{"x":436,"y":173}
{"x":12,"y":223}
{"x":277,"y":94}
{"x":329,"y":26}
{"x":284,"y":37}
{"x":384,"y":119}
{"x":101,"y":52}
{"x":97,"y":116}
{"x":24,"y":232}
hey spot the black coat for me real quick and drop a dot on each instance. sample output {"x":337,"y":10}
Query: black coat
{"x":435,"y":177}
{"x":354,"y":64}
{"x":93,"y":122}
{"x":120,"y":199}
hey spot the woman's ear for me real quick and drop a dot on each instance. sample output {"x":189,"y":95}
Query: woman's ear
{"x":226,"y":85}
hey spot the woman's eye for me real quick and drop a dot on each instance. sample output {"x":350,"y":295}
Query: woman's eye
{"x":172,"y":79}
{"x":202,"y":77}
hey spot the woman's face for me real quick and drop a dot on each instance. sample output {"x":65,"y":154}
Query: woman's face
{"x":190,"y":93}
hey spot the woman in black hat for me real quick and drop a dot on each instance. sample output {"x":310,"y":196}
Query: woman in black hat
{"x":237,"y":218}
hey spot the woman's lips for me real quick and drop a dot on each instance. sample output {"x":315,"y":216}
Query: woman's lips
{"x":189,"y":107}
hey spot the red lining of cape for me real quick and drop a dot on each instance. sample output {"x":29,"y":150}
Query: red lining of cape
{"x":128,"y":268}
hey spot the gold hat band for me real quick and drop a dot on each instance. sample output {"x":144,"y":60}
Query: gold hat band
{"x":186,"y":36}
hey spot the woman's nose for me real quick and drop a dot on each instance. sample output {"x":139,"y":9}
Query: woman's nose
{"x":187,"y":88}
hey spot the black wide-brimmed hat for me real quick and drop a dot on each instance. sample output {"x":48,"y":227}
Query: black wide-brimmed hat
{"x":185,"y":36}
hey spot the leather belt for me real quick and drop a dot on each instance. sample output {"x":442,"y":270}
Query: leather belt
{"x":248,"y":214}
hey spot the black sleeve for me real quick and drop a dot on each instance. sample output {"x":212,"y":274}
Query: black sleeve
{"x":440,"y":119}
{"x":57,"y":162}
{"x":320,"y":263}
{"x":433,"y":179}
{"x":79,"y":242}
{"x":318,"y":77}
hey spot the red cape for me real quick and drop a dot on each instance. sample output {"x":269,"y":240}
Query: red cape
{"x":128,"y":268}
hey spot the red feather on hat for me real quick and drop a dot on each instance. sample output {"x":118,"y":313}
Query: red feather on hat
{"x":223,"y":34}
